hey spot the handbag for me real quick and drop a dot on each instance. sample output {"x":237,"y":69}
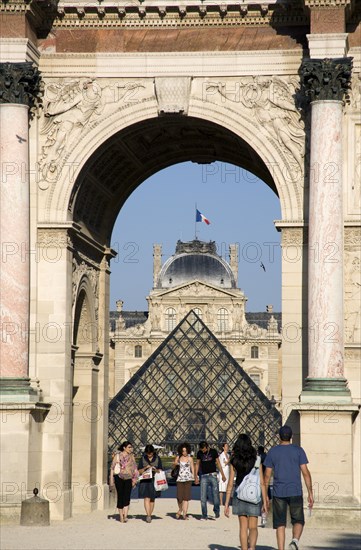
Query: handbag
{"x":250,"y":488}
{"x":160,"y":481}
{"x":175,"y":472}
{"x":116,"y":470}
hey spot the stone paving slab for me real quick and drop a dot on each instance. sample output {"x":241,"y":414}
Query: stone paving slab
{"x":101,"y":530}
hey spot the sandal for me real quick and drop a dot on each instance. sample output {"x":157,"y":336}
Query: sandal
{"x":185,"y":517}
{"x":178,"y":515}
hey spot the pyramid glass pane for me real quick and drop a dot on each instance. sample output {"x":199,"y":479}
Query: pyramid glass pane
{"x":191,"y":389}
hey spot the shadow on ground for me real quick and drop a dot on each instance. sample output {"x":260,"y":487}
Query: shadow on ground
{"x":347,"y":541}
{"x":221,"y":547}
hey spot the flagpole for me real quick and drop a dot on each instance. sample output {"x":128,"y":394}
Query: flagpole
{"x":195,"y":224}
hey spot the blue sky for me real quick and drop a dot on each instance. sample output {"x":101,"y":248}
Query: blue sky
{"x":241,"y":209}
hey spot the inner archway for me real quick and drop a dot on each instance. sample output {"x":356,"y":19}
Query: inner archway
{"x":130,"y":156}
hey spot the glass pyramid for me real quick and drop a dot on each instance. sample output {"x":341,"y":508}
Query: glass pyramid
{"x":191,"y":389}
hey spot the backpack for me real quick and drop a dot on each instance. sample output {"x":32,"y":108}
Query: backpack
{"x":250,"y":488}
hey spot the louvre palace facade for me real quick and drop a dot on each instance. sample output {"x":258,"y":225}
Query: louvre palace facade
{"x":197,"y":278}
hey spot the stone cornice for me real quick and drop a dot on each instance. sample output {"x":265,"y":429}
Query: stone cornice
{"x":326,"y":79}
{"x":20,"y":83}
{"x":180,"y":13}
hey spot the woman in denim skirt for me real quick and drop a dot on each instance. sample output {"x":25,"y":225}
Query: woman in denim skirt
{"x":243,"y":459}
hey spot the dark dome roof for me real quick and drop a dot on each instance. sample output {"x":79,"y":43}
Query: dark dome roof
{"x":196,"y":260}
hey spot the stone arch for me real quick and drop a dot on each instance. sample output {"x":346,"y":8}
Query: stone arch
{"x":256,"y":152}
{"x":84,"y":410}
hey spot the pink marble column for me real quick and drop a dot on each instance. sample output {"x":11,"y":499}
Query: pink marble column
{"x":14,"y":230}
{"x":325,"y":243}
{"x":327,"y":85}
{"x":19,"y":85}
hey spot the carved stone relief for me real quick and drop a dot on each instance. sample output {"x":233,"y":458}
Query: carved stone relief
{"x":352,"y":310}
{"x":72,"y":108}
{"x":271,"y":105}
{"x":294,"y":236}
{"x":356,"y":175}
{"x":54,"y":238}
{"x":83,"y":268}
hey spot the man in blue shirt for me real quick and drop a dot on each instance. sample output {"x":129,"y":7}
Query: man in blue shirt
{"x":288,"y":461}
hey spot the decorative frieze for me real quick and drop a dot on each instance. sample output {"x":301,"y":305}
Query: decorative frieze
{"x":326,"y":79}
{"x":54,"y":238}
{"x":295,"y":236}
{"x":20,"y":83}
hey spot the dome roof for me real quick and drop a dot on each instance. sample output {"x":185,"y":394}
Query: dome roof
{"x":196,"y":260}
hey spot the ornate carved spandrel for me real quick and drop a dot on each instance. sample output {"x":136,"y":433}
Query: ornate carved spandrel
{"x":21,"y":83}
{"x":326,"y":79}
{"x":272,"y":105}
{"x":71,"y":108}
{"x":172,"y":94}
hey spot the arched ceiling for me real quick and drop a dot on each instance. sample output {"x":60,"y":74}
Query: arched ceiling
{"x":129,"y":157}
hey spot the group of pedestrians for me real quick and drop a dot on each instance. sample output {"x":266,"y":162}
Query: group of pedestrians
{"x":221,"y":475}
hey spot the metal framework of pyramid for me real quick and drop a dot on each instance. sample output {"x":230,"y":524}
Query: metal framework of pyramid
{"x":191,"y":389}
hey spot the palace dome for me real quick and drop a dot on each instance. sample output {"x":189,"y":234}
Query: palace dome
{"x":196,"y":260}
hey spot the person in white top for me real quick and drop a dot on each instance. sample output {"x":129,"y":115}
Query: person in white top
{"x":224,"y":459}
{"x":185,"y":477}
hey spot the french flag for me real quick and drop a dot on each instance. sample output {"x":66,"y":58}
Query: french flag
{"x":201,"y":218}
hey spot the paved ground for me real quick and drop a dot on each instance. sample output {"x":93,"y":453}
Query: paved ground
{"x":102,"y":531}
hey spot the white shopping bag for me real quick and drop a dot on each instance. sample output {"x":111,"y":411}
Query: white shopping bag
{"x":160,"y":481}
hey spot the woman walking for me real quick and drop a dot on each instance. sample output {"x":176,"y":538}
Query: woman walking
{"x":184,"y":479}
{"x":224,"y":459}
{"x":242,"y":461}
{"x":124,"y":474}
{"x":149,"y":461}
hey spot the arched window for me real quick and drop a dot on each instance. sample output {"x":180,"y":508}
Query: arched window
{"x":254,"y":352}
{"x":222,"y":319}
{"x":138,"y":351}
{"x":170,"y":319}
{"x":198,"y":312}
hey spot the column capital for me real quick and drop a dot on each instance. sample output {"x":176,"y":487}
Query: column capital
{"x":20,"y":83}
{"x":326,"y":79}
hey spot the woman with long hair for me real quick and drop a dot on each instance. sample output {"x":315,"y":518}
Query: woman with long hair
{"x":243,"y":459}
{"x":149,"y":461}
{"x":125,"y":477}
{"x":184,"y":479}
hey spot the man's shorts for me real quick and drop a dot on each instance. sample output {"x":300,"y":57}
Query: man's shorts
{"x":279,"y":506}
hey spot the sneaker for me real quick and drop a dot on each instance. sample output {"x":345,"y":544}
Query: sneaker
{"x":148,"y":519}
{"x":203,"y":519}
{"x":216,"y":516}
{"x":294,"y":545}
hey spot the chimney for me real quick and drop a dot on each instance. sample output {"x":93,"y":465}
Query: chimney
{"x":157,"y":263}
{"x":233,"y":260}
